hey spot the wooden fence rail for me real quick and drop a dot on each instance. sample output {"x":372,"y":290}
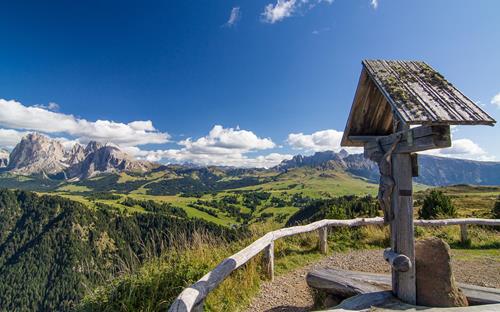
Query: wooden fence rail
{"x":192,"y":297}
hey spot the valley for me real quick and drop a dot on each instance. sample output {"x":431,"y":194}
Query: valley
{"x":107,"y":217}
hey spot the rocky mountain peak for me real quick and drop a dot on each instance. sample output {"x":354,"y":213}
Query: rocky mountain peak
{"x":36,"y":154}
{"x":343,"y":153}
{"x":76,"y":154}
{"x":92,"y":147}
{"x":106,"y":158}
{"x":319,"y":159}
{"x":39,"y":154}
{"x":4,"y":158}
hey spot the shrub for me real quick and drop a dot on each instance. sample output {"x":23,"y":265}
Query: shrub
{"x":437,"y":205}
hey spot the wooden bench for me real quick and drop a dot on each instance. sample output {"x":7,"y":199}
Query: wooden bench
{"x":344,"y":284}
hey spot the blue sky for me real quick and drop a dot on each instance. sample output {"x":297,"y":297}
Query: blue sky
{"x":276,"y":77}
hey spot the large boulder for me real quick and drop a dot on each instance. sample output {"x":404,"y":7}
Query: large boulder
{"x":436,"y":286}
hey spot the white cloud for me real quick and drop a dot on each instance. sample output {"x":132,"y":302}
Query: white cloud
{"x":234,"y":17}
{"x":496,"y":100}
{"x":9,"y":138}
{"x":17,"y":116}
{"x":464,"y":149}
{"x":325,"y":140}
{"x":280,"y":10}
{"x":222,"y":146}
{"x":374,"y":4}
{"x":222,"y":140}
{"x":285,"y":8}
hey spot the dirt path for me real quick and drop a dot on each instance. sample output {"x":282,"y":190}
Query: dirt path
{"x":289,"y":292}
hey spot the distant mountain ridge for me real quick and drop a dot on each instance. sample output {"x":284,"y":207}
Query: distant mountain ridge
{"x":434,"y":170}
{"x":37,"y":154}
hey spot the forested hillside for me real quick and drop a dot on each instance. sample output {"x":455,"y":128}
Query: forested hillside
{"x":52,"y":249}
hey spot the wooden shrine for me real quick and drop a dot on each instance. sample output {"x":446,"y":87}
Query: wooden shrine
{"x":401,"y":108}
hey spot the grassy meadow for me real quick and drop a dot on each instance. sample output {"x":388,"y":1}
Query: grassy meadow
{"x":264,"y":205}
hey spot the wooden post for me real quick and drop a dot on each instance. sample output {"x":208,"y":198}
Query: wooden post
{"x":269,"y":261}
{"x":402,"y":229}
{"x":323,"y":240}
{"x":463,"y":233}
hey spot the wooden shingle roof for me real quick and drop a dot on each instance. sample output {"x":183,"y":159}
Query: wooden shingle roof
{"x":411,"y":92}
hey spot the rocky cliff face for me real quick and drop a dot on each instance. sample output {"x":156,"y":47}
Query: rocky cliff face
{"x":38,"y":154}
{"x":76,"y":154}
{"x":100,"y":159}
{"x":4,"y":158}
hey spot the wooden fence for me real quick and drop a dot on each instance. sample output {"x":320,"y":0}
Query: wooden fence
{"x":192,"y":298}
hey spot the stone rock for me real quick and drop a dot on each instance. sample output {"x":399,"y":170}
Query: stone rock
{"x":37,"y":154}
{"x":106,"y":158}
{"x":4,"y":158}
{"x":436,"y":286}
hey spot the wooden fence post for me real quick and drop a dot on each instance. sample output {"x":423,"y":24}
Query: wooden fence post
{"x":402,"y":228}
{"x":269,"y":261}
{"x":323,"y":240}
{"x":463,"y":233}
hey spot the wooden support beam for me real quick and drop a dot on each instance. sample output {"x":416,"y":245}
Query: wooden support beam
{"x":414,"y":165}
{"x":323,"y":240}
{"x":269,"y":261}
{"x":400,"y":263}
{"x":413,"y":140}
{"x":402,"y":229}
{"x":463,"y":234}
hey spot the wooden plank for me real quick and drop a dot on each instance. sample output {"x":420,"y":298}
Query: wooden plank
{"x":414,"y":140}
{"x":196,"y":293}
{"x":368,"y":101}
{"x":458,"y":221}
{"x":402,"y":232}
{"x":340,"y":284}
{"x":269,"y":261}
{"x":429,"y":100}
{"x":347,"y":283}
{"x":384,"y":301}
{"x":323,"y":240}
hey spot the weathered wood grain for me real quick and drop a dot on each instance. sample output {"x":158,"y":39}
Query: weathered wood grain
{"x":344,"y":283}
{"x":429,"y":100}
{"x":402,"y":228}
{"x":269,"y":260}
{"x":323,"y":240}
{"x":390,"y":90}
{"x":193,"y":295}
{"x":414,"y":140}
{"x":386,"y":302}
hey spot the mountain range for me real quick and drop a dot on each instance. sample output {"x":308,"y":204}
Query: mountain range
{"x":42,"y":156}
{"x":37,"y":154}
{"x":433,"y":170}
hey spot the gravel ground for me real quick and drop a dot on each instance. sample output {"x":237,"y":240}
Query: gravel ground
{"x":289,"y":292}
